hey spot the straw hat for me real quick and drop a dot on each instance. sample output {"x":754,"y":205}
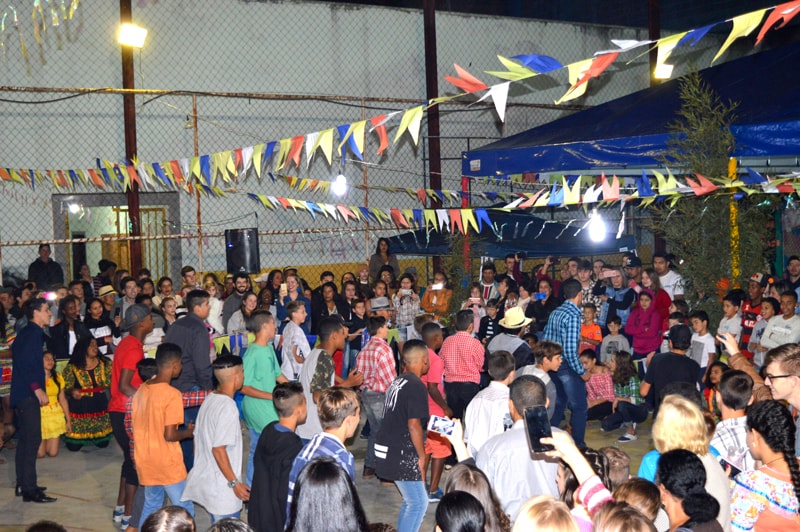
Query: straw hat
{"x":514,"y":319}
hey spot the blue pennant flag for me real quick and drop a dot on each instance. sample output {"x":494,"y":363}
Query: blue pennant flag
{"x":539,"y":63}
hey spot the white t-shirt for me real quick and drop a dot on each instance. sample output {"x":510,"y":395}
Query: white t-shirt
{"x":781,"y":331}
{"x":672,"y":283}
{"x":217,"y":426}
{"x":701,"y":347}
{"x":293,"y":335}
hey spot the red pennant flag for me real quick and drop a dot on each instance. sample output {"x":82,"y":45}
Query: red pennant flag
{"x":176,"y":171}
{"x":4,"y":174}
{"x":599,"y":64}
{"x":421,"y":195}
{"x":134,"y":175}
{"x":784,"y":12}
{"x":237,"y":159}
{"x":381,"y":131}
{"x":399,"y":219}
{"x":466,"y":81}
{"x":96,"y":179}
{"x":284,"y":202}
{"x":62,"y":181}
{"x":295,"y":149}
{"x":455,"y":220}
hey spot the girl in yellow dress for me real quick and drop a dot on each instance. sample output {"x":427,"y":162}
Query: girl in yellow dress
{"x":55,"y":414}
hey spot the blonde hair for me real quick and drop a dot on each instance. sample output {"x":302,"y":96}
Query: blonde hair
{"x":544,"y":514}
{"x":680,"y":425}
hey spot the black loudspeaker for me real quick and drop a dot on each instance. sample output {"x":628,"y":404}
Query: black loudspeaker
{"x":241,"y":251}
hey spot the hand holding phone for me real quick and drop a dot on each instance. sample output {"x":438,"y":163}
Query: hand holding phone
{"x":437,"y":286}
{"x":284,"y":290}
{"x":442,"y":425}
{"x":537,"y":426}
{"x":539,"y":296}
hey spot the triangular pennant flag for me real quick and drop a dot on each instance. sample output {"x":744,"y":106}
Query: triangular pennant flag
{"x":531,"y":200}
{"x":694,"y":36}
{"x":556,"y":196}
{"x":592,"y":194}
{"x":411,"y":121}
{"x":466,"y":81}
{"x":346,"y":213}
{"x":576,"y":71}
{"x":702,"y":187}
{"x":543,"y":200}
{"x":379,"y":127}
{"x":666,"y":45}
{"x":399,"y":219}
{"x":468,"y":220}
{"x":419,"y":219}
{"x":311,"y":145}
{"x":598,"y":66}
{"x":296,"y":149}
{"x":753,"y":177}
{"x":784,"y":12}
{"x":283,"y":153}
{"x":483,"y":217}
{"x":96,"y":179}
{"x":269,"y":149}
{"x":342,"y":130}
{"x":499,"y":94}
{"x":380,"y":215}
{"x":455,"y":220}
{"x":572,"y":195}
{"x":354,"y":138}
{"x":4,"y":174}
{"x":430,"y":218}
{"x":161,"y":175}
{"x":610,"y":192}
{"x":515,"y":71}
{"x":444,"y":220}
{"x":539,"y":63}
{"x":643,"y":186}
{"x":205,"y":169}
{"x":258,"y":152}
{"x":247,"y":158}
{"x":743,"y":25}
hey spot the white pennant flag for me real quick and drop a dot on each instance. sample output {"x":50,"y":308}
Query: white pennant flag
{"x":499,"y":94}
{"x":247,"y":158}
{"x":311,"y":144}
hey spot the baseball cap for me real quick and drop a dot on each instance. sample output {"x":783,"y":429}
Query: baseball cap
{"x":759,"y":278}
{"x":633,"y":262}
{"x":133,"y":315}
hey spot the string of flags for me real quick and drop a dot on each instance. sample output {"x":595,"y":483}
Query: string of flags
{"x":212,"y":173}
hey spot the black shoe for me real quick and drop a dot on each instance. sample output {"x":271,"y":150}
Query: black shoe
{"x":18,"y":490}
{"x":39,"y":496}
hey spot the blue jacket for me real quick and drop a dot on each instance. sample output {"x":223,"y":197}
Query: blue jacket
{"x":27,"y":364}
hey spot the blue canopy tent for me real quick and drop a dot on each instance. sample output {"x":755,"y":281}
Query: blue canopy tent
{"x":515,"y":232}
{"x":631,"y":132}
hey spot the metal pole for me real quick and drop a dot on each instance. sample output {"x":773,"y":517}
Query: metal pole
{"x":432,"y":91}
{"x":129,"y":112}
{"x":196,"y":139}
{"x":654,"y":33}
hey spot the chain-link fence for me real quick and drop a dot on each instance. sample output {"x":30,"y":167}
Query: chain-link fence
{"x":219,"y":75}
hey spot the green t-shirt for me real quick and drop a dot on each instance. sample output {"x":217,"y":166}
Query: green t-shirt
{"x":261,"y":368}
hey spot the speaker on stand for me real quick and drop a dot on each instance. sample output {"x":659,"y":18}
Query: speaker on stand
{"x":241,"y":251}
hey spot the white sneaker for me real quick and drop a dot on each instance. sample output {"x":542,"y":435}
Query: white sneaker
{"x":627,"y":438}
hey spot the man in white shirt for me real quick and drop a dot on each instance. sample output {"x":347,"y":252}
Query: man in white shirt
{"x":512,"y":470}
{"x":487,"y":414}
{"x":671,"y":281}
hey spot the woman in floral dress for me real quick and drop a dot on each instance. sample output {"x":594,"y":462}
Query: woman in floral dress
{"x":87,"y":379}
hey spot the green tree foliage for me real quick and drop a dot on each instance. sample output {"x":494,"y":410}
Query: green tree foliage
{"x":698,"y":230}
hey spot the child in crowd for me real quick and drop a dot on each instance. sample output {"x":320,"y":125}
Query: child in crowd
{"x":591,"y":336}
{"x":548,"y":359}
{"x":487,"y":415}
{"x":674,"y":318}
{"x":734,"y":394}
{"x":295,"y":344}
{"x":214,"y":482}
{"x":55,"y":414}
{"x":489,"y":326}
{"x":619,"y":465}
{"x":355,"y":330}
{"x":731,"y":321}
{"x":677,"y":305}
{"x":531,"y":339}
{"x":770,"y":307}
{"x":613,"y":342}
{"x":713,"y":376}
{"x":703,"y":349}
{"x":476,"y":305}
{"x":784,"y":329}
{"x":599,"y":387}
{"x":157,"y":411}
{"x":437,"y":448}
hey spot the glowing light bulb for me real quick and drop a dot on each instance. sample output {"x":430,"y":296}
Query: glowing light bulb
{"x":339,"y":185}
{"x":74,"y":208}
{"x":597,"y":227}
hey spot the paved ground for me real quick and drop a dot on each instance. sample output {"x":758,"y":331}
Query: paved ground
{"x":86,"y":485}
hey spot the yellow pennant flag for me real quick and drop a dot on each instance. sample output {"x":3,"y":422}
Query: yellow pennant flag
{"x":430,"y":218}
{"x":231,"y":166}
{"x":356,"y":130}
{"x":411,"y":121}
{"x":576,"y":70}
{"x":743,"y":25}
{"x":194,"y":168}
{"x":515,"y":71}
{"x":258,"y":153}
{"x":283,"y":154}
{"x":572,"y":196}
{"x":324,"y":140}
{"x":468,"y":220}
{"x":666,"y":45}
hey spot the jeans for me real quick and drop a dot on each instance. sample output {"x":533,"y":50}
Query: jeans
{"x":216,"y":518}
{"x":28,"y":415}
{"x":254,"y":436}
{"x":154,"y":499}
{"x":415,"y":503}
{"x":575,"y":388}
{"x":626,"y":413}
{"x":560,"y":405}
{"x":187,"y":445}
{"x":373,"y":406}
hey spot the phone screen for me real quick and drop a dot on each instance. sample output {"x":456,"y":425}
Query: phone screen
{"x":537,"y":426}
{"x":118,"y":311}
{"x":442,"y":425}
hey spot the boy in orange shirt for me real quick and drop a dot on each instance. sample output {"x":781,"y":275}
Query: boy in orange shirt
{"x":157,"y":413}
{"x":591,"y":335}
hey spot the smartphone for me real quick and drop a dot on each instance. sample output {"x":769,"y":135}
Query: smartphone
{"x":474,"y":300}
{"x":118,"y":311}
{"x":607,"y":274}
{"x":442,"y":425}
{"x":405,"y":291}
{"x":284,"y":288}
{"x":437,"y":286}
{"x":537,"y":426}
{"x":539,"y":296}
{"x":733,"y":471}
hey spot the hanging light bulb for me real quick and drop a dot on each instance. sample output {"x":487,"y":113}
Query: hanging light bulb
{"x":597,"y":227}
{"x":74,"y":208}
{"x":339,"y":185}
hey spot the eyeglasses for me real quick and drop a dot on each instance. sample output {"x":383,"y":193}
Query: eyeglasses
{"x":776,"y":377}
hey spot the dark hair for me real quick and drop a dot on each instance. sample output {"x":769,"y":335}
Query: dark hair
{"x":167,"y":353}
{"x":464,"y":318}
{"x":734,"y":298}
{"x":62,"y":305}
{"x":500,"y":365}
{"x":681,"y":306}
{"x":774,"y":423}
{"x":774,"y":303}
{"x":169,"y":519}
{"x":546,"y":349}
{"x":459,"y":511}
{"x":527,"y":391}
{"x":163,"y":280}
{"x":230,"y":524}
{"x":680,"y":316}
{"x":146,"y":280}
{"x":412,"y":346}
{"x":715,"y":364}
{"x":226,"y":361}
{"x":701,"y":315}
{"x":147,"y":368}
{"x":322,"y":486}
{"x":571,"y":288}
{"x":125,"y":280}
{"x":187,"y":269}
{"x":195,"y":298}
{"x":488,"y":265}
{"x":466,"y":477}
{"x":585,"y":265}
{"x":625,"y":369}
{"x":78,"y":357}
{"x":141,"y":298}
{"x":429,"y":329}
{"x":46,"y":526}
{"x":599,"y":464}
{"x":286,"y":396}
{"x":616,"y":320}
{"x":53,"y":372}
{"x":257,"y":319}
{"x":329,"y":325}
{"x":374,"y":323}
{"x":331,"y":285}
{"x":683,"y":475}
{"x":789,"y":293}
{"x":240,"y":275}
{"x":378,"y":246}
{"x":588,"y":353}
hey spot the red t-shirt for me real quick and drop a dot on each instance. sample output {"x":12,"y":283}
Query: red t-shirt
{"x":128,"y":353}
{"x":750,"y":316}
{"x":434,"y":375}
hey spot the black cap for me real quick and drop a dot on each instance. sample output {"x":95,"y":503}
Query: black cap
{"x":633,"y":262}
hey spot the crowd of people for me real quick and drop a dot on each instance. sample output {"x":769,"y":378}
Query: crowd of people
{"x":131,"y":358}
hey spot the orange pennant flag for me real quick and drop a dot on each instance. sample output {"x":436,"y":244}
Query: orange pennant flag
{"x":96,"y":179}
{"x":176,"y":171}
{"x":62,"y":181}
{"x":784,"y":12}
{"x":399,"y":219}
{"x":466,"y":81}
{"x":134,"y":175}
{"x":237,"y":158}
{"x":702,"y":187}
{"x":284,"y":202}
{"x":422,"y":195}
{"x":4,"y":174}
{"x":380,"y":128}
{"x":455,"y":220}
{"x":610,"y":191}
{"x":599,"y":64}
{"x":296,"y":149}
